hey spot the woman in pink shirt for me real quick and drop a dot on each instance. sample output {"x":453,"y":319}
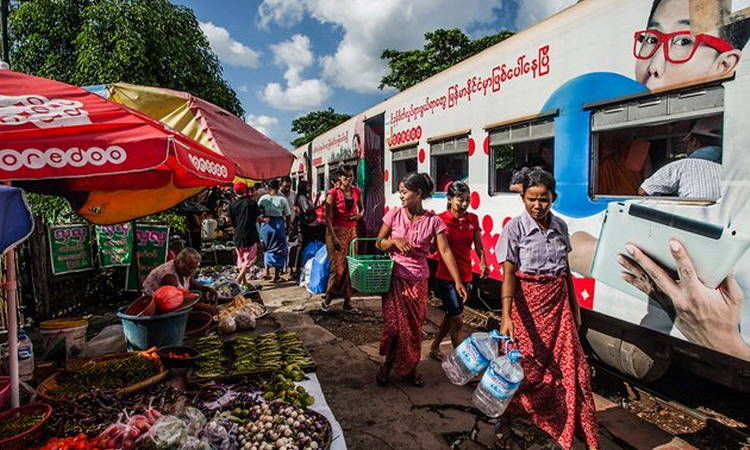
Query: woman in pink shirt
{"x":408,"y":233}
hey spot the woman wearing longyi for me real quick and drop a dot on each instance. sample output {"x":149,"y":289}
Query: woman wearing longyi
{"x":408,"y":233}
{"x":541,"y":312}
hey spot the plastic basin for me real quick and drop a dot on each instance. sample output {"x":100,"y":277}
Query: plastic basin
{"x":161,"y":330}
{"x":177,"y":362}
{"x":198,"y":323}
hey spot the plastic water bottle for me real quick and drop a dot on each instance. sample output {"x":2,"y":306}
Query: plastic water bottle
{"x":499,"y":383}
{"x":25,"y":357}
{"x":471,"y":357}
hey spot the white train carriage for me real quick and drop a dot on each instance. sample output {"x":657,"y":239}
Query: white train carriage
{"x":606,"y":94}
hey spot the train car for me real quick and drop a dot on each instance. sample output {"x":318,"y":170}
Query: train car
{"x":638,"y":108}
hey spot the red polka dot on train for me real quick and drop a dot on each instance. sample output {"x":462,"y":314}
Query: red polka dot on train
{"x":475,"y":200}
{"x":506,"y":220}
{"x":385,"y":175}
{"x":472,"y":147}
{"x":487,"y":224}
{"x":421,"y":155}
{"x":300,"y":168}
{"x":386,"y":209}
{"x":486,"y":145}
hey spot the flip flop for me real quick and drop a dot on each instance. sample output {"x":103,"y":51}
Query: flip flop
{"x":323,"y":306}
{"x":416,"y":379}
{"x":437,"y":356}
{"x":352,"y":310}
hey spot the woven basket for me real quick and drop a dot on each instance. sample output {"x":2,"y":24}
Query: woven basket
{"x":369,"y":274}
{"x":49,"y":385}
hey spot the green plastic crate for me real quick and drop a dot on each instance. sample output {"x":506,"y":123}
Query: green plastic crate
{"x":369,"y":274}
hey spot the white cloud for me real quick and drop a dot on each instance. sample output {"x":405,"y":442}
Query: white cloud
{"x":370,"y":26}
{"x":296,"y":55}
{"x":243,"y":88}
{"x":533,"y":11}
{"x":262,"y":123}
{"x":307,"y":94}
{"x":283,"y":12}
{"x":229,"y":50}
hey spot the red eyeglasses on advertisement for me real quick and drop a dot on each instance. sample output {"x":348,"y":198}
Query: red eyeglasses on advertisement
{"x":678,"y":47}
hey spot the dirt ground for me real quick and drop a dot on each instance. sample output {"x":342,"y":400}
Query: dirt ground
{"x":401,"y":416}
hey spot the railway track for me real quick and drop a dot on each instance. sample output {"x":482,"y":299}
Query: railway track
{"x":701,"y":426}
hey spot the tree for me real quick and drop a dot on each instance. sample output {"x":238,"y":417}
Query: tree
{"x":148,"y":42}
{"x":443,"y":49}
{"x":314,"y":124}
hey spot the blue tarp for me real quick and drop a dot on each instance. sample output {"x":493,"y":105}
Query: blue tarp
{"x":16,"y":223}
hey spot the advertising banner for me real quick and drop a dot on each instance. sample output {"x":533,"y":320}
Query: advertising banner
{"x":115,"y":244}
{"x":151,"y":247}
{"x":70,"y":248}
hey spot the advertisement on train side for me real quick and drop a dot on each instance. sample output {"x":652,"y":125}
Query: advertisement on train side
{"x":636,"y":107}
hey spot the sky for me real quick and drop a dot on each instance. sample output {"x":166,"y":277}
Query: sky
{"x":286,"y":58}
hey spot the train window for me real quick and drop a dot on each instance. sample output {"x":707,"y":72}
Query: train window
{"x":527,"y":144}
{"x":667,"y":145}
{"x":450,"y":161}
{"x":320,"y":179}
{"x":404,"y":162}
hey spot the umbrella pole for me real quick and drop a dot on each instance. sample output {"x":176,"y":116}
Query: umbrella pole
{"x":10,"y":287}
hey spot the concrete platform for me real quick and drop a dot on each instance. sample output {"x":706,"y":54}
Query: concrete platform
{"x":405,"y":417}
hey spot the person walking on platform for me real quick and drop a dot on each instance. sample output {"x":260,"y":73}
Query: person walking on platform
{"x":541,"y":313}
{"x":408,"y":233}
{"x":343,"y":211}
{"x":276,"y":224}
{"x":462,"y":230}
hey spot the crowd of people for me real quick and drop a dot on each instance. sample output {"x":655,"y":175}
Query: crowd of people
{"x":539,"y":309}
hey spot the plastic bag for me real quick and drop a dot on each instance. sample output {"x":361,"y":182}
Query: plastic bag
{"x":319,"y":273}
{"x":110,"y":340}
{"x":227,"y":324}
{"x":304,"y":278}
{"x":194,"y":419}
{"x":310,"y":251}
{"x":194,"y":443}
{"x":245,"y":320}
{"x":169,"y":432}
{"x":218,"y":435}
{"x":168,"y":298}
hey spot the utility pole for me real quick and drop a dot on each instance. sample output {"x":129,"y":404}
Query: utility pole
{"x":4,"y":12}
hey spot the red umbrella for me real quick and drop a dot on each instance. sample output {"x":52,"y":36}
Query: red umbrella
{"x":257,"y":157}
{"x":53,"y":131}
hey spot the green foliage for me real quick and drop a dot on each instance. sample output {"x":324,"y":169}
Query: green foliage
{"x":52,"y":209}
{"x":147,"y":42}
{"x":315,"y":123}
{"x":443,"y":49}
{"x":175,"y":221}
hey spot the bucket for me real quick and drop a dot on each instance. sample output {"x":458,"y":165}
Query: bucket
{"x":69,"y":334}
{"x":144,"y":332}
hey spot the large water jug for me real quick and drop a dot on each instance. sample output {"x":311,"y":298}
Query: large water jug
{"x":471,"y":357}
{"x":25,"y":357}
{"x":499,"y":383}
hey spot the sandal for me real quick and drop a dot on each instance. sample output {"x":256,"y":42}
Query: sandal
{"x":416,"y":379}
{"x":437,"y":356}
{"x":381,"y":378}
{"x":324,"y":306}
{"x":351,"y":310}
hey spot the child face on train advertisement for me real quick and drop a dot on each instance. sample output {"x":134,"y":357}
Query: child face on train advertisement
{"x":671,"y":50}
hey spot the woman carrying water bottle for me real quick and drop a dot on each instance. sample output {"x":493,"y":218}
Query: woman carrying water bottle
{"x":408,"y":233}
{"x":462,"y":231}
{"x":541,"y":312}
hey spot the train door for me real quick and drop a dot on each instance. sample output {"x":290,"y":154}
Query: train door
{"x":374,"y":199}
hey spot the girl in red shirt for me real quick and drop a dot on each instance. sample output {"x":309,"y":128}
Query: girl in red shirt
{"x":462,"y":231}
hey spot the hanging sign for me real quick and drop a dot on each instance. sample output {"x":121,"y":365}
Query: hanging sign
{"x":70,"y":248}
{"x":151,"y":247}
{"x":115,"y":243}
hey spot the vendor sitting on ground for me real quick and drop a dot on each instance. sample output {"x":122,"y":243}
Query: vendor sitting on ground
{"x":179,"y":273}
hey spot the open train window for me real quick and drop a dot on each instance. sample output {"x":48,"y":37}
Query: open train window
{"x":320,"y":178}
{"x":524,"y":144}
{"x":450,"y":161}
{"x":403,"y":162}
{"x":667,"y":145}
